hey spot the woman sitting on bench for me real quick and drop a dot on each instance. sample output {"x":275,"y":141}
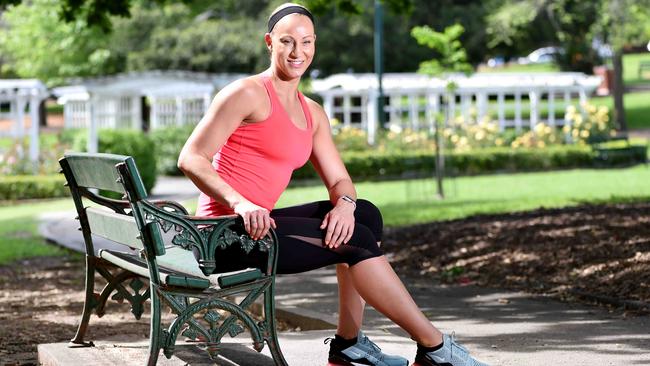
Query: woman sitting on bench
{"x":241,"y":156}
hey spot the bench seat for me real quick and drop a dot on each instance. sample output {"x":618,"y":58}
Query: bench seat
{"x":171,"y":275}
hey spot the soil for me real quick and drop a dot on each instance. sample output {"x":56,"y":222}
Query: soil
{"x":586,"y":253}
{"x":595,"y":252}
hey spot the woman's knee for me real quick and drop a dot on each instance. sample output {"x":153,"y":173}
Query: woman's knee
{"x":362,"y":246}
{"x":369,"y":215}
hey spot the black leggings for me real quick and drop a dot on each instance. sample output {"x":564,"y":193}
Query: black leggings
{"x":301,"y":240}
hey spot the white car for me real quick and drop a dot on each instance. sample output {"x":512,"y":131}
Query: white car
{"x":542,"y":55}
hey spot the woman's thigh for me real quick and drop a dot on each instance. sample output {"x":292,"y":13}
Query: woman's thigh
{"x":366,"y":214}
{"x":301,"y":248}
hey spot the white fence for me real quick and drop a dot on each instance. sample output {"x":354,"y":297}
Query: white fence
{"x":513,"y":100}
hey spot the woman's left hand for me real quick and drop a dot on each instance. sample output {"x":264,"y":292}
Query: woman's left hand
{"x":340,"y":224}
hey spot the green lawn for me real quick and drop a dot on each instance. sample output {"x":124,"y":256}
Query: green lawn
{"x":631,"y":68}
{"x":637,"y":108}
{"x":521,"y":68}
{"x":18,"y":229}
{"x":409,"y":202}
{"x":402,"y":202}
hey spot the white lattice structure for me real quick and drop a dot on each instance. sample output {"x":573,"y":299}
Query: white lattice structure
{"x":22,"y":94}
{"x":173,"y":98}
{"x":414,"y":99}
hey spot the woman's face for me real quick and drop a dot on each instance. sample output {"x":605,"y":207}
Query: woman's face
{"x":292,"y":46}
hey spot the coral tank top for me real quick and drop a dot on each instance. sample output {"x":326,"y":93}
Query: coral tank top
{"x":258,"y":159}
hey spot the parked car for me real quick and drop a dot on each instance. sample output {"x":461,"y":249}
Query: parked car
{"x":542,"y":55}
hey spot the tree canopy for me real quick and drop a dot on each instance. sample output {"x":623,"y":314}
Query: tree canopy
{"x":219,"y":36}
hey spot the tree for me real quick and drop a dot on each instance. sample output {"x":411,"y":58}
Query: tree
{"x":173,"y":37}
{"x":622,"y":22}
{"x":576,"y":24}
{"x":38,"y":45}
{"x":451,"y":57}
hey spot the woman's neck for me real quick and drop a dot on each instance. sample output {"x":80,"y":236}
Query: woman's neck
{"x":283,"y":86}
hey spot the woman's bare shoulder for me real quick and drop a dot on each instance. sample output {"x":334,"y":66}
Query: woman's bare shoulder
{"x":315,"y":108}
{"x":250,"y":87}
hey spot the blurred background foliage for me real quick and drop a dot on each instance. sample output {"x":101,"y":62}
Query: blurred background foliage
{"x":56,"y":39}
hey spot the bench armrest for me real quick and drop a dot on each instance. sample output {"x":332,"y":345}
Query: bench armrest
{"x":204,"y":235}
{"x":119,"y":206}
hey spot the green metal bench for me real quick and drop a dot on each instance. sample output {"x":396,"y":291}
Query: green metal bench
{"x":617,"y":151}
{"x":171,"y":251}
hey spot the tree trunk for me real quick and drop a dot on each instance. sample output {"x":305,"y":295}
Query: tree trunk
{"x":618,"y":90}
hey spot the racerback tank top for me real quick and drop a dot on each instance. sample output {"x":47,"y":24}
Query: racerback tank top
{"x":258,"y":159}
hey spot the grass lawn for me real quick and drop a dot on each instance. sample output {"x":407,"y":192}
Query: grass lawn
{"x":631,"y":68}
{"x":521,"y":68}
{"x":637,"y":108}
{"x":18,"y":230}
{"x":409,"y":202}
{"x":402,"y":202}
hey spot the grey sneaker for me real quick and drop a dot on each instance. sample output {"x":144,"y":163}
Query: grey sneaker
{"x":451,"y":354}
{"x":364,"y":352}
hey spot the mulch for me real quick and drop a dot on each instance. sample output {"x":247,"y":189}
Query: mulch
{"x":593,"y":253}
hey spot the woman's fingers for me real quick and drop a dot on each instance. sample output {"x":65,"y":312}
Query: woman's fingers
{"x":247,"y":222}
{"x":267,"y":226}
{"x":325,"y":222}
{"x":333,"y":237}
{"x":257,"y":220}
{"x":345,"y":233}
{"x":349,"y":234}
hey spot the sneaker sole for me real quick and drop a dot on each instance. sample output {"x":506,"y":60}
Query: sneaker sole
{"x":349,"y":363}
{"x":334,"y":361}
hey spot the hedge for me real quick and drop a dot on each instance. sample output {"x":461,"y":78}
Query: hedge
{"x":126,"y":142}
{"x":169,"y":141}
{"x":18,"y":187}
{"x":372,"y":165}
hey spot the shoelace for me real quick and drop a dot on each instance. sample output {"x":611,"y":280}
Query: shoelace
{"x":377,"y":351}
{"x":464,"y":352}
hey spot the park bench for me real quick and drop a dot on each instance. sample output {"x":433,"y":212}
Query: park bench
{"x":617,"y":150}
{"x":643,"y":67}
{"x":174,"y":254}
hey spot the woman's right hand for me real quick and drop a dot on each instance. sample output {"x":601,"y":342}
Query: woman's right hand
{"x":257,"y":220}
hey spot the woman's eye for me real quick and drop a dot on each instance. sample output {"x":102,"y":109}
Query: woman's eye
{"x":286,"y":41}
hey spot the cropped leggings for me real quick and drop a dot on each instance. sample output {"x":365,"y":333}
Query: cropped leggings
{"x":301,"y":240}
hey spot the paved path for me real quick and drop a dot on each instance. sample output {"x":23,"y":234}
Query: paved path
{"x":500,"y":327}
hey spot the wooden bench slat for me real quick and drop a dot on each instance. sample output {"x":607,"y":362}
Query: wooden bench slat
{"x":96,"y":171}
{"x":137,"y":265}
{"x":116,"y":227}
{"x":173,"y":277}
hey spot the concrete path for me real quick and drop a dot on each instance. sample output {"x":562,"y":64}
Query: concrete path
{"x":500,"y":327}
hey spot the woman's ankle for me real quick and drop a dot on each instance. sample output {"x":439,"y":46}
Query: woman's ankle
{"x":431,"y":340}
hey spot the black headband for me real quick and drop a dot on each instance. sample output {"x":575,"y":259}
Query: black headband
{"x":286,"y":11}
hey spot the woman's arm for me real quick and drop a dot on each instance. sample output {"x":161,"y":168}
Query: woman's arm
{"x":230,"y":107}
{"x":326,"y":160}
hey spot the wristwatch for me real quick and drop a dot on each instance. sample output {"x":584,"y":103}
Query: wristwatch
{"x":349,"y":199}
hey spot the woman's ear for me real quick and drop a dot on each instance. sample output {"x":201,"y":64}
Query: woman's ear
{"x":269,"y":41}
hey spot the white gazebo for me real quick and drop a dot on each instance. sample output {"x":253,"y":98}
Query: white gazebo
{"x":174,"y":98}
{"x":19,"y":94}
{"x":414,"y":99}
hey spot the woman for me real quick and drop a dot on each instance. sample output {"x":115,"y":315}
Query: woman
{"x":241,"y":156}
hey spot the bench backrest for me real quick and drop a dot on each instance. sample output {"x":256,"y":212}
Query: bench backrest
{"x":85,"y":173}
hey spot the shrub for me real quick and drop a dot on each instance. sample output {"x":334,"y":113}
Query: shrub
{"x":169,"y":141}
{"x":126,"y":142}
{"x":18,"y":187}
{"x":372,"y":165}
